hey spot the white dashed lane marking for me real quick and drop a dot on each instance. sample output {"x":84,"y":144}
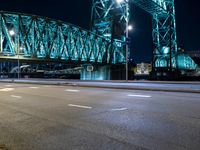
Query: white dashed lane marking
{"x":33,"y":87}
{"x":142,"y":96}
{"x":79,"y":106}
{"x":119,"y":109}
{"x":6,"y":89}
{"x":70,"y":90}
{"x":8,"y":85}
{"x":48,"y":86}
{"x":15,"y":96}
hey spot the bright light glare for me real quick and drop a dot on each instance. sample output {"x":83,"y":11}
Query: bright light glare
{"x":166,"y":50}
{"x":120,"y":1}
{"x":11,"y":32}
{"x":130,"y":27}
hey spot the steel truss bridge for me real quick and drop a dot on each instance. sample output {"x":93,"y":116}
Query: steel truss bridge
{"x":24,"y":36}
{"x":31,"y":37}
{"x":110,"y":16}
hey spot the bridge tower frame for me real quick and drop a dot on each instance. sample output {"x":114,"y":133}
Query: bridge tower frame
{"x":163,"y":26}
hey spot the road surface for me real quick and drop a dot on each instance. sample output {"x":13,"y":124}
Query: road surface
{"x":50,"y":117}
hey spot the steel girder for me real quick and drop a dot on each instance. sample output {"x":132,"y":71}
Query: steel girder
{"x":26,"y":36}
{"x":159,"y":7}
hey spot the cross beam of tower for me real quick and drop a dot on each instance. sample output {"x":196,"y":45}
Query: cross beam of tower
{"x":152,"y":6}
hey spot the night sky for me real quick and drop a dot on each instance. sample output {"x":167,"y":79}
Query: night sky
{"x":78,"y":12}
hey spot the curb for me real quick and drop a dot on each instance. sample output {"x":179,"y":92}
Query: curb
{"x":140,"y":89}
{"x":107,"y":87}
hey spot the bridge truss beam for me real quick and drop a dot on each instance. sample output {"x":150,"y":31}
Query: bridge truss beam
{"x":32,"y":37}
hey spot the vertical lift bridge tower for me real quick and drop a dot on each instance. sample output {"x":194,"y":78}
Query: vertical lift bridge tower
{"x":110,"y":16}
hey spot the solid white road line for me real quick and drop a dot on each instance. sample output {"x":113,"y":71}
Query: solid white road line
{"x":6,"y":89}
{"x":15,"y":96}
{"x":119,"y":109}
{"x":79,"y":106}
{"x":70,"y":90}
{"x":142,"y":96}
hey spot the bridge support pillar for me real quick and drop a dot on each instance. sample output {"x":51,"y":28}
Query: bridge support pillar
{"x":90,"y":72}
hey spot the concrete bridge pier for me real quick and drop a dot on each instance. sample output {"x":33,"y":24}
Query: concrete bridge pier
{"x":97,"y":72}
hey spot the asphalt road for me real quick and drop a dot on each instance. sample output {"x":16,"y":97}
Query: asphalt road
{"x":45,"y":117}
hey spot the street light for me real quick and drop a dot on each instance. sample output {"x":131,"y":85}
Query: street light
{"x":12,"y":33}
{"x":120,"y":1}
{"x":128,"y":27}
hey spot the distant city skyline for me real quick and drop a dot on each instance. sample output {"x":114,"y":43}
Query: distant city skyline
{"x":78,"y":13}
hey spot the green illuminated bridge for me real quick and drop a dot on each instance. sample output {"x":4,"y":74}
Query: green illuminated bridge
{"x":33,"y":37}
{"x":30,"y":37}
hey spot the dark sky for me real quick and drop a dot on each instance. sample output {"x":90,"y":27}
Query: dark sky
{"x":78,"y":12}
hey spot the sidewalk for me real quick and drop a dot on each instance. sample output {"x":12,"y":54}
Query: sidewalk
{"x":171,"y":86}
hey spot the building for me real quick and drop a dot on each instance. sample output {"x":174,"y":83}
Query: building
{"x":143,"y":69}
